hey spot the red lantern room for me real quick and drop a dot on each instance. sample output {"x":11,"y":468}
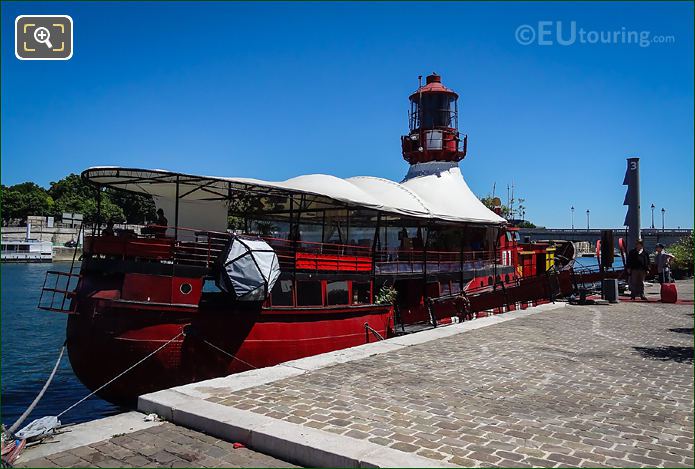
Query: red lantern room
{"x":433,"y":120}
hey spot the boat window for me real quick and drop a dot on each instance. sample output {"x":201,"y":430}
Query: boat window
{"x":210,"y":286}
{"x":23,"y":247}
{"x":361,"y":293}
{"x":309,"y":231}
{"x":337,"y":292}
{"x":445,"y":288}
{"x":337,"y":227}
{"x":282,"y":293}
{"x":435,"y":110}
{"x":309,"y":294}
{"x":455,"y":287}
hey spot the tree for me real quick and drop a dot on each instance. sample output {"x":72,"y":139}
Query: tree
{"x":25,"y":199}
{"x":488,"y":202}
{"x":74,"y":195}
{"x":510,"y":212}
{"x":525,"y":224}
{"x":682,"y":250}
{"x":137,"y":208}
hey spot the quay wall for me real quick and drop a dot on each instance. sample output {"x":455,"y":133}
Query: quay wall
{"x":56,"y":235}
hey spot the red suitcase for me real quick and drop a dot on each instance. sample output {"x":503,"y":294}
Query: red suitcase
{"x":669,"y":294}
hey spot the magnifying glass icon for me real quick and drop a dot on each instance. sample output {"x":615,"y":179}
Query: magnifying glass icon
{"x":43,"y":35}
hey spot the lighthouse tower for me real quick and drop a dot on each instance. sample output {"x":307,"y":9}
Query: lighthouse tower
{"x":434,"y":148}
{"x":433,"y":119}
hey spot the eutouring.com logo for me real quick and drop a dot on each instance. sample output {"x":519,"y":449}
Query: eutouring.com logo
{"x":551,"y":33}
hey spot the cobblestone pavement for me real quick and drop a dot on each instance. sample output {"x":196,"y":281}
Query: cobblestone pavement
{"x":163,"y":446}
{"x":598,"y":386}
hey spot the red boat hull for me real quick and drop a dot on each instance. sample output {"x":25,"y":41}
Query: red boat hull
{"x":107,"y":337}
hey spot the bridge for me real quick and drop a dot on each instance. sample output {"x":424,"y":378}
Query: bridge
{"x":651,"y":236}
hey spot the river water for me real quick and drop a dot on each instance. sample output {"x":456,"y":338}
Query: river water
{"x":31,"y":341}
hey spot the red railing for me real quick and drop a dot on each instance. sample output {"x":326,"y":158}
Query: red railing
{"x":205,"y":247}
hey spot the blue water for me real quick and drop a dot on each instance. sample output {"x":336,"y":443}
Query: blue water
{"x":31,"y":341}
{"x":592,"y":263}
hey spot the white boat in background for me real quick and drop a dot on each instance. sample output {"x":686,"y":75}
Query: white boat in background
{"x":26,"y":250}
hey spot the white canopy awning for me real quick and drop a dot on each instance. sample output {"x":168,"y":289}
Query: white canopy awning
{"x":434,"y":190}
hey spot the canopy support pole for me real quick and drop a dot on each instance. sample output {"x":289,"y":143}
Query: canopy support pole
{"x":461,"y":263}
{"x":176,"y":211}
{"x":375,"y":241}
{"x":98,"y":220}
{"x":294,"y":235}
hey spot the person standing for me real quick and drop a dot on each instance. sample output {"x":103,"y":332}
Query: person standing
{"x":637,"y":267}
{"x":662,"y":259}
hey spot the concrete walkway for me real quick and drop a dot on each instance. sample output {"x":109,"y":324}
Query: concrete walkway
{"x":133,"y":443}
{"x":608,"y":385}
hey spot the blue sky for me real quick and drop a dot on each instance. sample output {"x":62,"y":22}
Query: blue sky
{"x":274,"y":90}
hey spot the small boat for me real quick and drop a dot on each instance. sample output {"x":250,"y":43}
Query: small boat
{"x":26,"y":250}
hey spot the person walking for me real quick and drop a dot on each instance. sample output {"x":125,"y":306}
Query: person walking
{"x":637,"y":267}
{"x":662,"y":259}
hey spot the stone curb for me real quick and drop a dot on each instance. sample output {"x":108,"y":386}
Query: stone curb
{"x":187,"y":406}
{"x":291,"y":442}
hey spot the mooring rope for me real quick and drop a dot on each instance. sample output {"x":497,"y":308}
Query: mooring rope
{"x":119,"y":375}
{"x":26,"y":413}
{"x":229,"y":354}
{"x":373,"y":331}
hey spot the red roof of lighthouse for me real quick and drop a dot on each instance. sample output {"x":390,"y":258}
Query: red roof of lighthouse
{"x":433,"y":84}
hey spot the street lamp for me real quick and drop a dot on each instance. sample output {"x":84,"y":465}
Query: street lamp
{"x":572,"y":209}
{"x":652,"y":216}
{"x":587,"y":219}
{"x":663,"y":215}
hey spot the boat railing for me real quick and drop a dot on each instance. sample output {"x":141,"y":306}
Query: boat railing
{"x":195,"y":247}
{"x":58,"y":290}
{"x":411,"y":261}
{"x":204,"y":248}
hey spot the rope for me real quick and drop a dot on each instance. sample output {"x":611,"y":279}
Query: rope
{"x":229,"y":354}
{"x":373,"y":331}
{"x":26,"y":413}
{"x":119,"y":375}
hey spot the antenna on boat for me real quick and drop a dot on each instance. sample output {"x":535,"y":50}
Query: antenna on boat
{"x":419,"y":102}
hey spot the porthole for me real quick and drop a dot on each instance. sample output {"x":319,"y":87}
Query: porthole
{"x":186,"y":288}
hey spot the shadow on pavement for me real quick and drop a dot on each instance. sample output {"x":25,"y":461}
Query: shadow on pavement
{"x":682,"y":330}
{"x":667,"y":353}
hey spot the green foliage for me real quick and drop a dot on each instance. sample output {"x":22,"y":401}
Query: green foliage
{"x":515,"y":210}
{"x":236,"y":223}
{"x":525,"y":224}
{"x":386,"y":296}
{"x":487,"y":201}
{"x":682,"y":251}
{"x":138,"y":209}
{"x":25,"y":199}
{"x":72,"y":194}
